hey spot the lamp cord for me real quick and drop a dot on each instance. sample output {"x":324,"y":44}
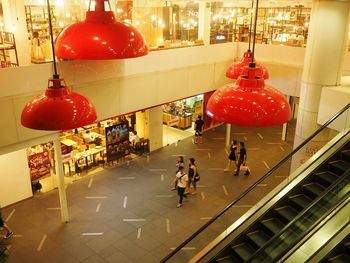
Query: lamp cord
{"x":250,"y":24}
{"x":255,"y":22}
{"x":55,"y":76}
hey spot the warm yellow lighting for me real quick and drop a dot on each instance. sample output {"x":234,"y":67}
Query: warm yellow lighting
{"x":59,"y":3}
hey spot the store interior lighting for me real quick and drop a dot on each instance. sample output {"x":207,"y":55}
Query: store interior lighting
{"x":58,"y":108}
{"x":249,"y":102}
{"x":100,"y":37}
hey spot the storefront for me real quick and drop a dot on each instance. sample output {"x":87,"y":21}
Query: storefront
{"x":179,"y":117}
{"x":88,"y":150}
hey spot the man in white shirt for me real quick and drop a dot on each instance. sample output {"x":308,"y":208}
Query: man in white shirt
{"x":135,"y":138}
{"x":182,"y":181}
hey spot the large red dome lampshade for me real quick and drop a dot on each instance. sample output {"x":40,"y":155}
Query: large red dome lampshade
{"x":100,"y":36}
{"x":240,"y":68}
{"x":58,"y":109}
{"x":249,"y":102}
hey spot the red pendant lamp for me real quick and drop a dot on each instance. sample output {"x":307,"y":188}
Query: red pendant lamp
{"x":240,"y":68}
{"x":58,"y":108}
{"x":249,"y":102}
{"x":100,"y":36}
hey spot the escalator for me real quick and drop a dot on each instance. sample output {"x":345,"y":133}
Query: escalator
{"x":286,"y":215}
{"x":340,"y":254}
{"x":294,"y":215}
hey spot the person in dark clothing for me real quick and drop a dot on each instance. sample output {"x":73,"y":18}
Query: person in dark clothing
{"x":232,"y":158}
{"x":242,"y":159}
{"x":192,"y":175}
{"x":198,"y":130}
{"x":3,"y":226}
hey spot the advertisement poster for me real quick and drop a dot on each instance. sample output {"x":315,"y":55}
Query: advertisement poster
{"x":117,"y":141}
{"x":39,"y":164}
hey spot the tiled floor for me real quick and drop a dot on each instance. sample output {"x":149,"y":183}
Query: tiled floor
{"x":128,"y":213}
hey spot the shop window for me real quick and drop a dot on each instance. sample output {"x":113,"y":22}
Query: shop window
{"x":63,"y":13}
{"x":275,"y":25}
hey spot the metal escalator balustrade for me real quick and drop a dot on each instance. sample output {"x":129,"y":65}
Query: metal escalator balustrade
{"x":289,"y":219}
{"x":340,"y":254}
{"x":300,"y":226}
{"x":227,"y":225}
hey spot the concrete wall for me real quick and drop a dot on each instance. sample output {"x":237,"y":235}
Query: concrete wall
{"x":14,"y":177}
{"x":120,"y":86}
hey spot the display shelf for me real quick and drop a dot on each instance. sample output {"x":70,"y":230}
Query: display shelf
{"x":38,"y":32}
{"x":8,"y":50}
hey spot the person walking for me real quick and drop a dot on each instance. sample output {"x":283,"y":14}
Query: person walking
{"x":198,"y":136}
{"x":5,"y":227}
{"x":232,"y":158}
{"x":192,"y":175}
{"x":182,"y":180}
{"x":242,"y":160}
{"x":180,"y":163}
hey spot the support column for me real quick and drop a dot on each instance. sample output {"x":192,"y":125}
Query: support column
{"x":155,"y":128}
{"x":204,"y":21}
{"x":228,"y":135}
{"x":285,"y":125}
{"x":60,"y":178}
{"x":323,"y":63}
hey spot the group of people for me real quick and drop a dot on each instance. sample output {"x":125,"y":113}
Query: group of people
{"x":240,"y":160}
{"x":184,"y":180}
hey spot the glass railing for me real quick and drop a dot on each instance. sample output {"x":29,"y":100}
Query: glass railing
{"x":220,"y":226}
{"x":303,"y":223}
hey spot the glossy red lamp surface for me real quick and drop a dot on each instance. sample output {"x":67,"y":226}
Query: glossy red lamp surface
{"x":241,"y":68}
{"x":249,"y":102}
{"x":100,"y":36}
{"x":58,"y":109}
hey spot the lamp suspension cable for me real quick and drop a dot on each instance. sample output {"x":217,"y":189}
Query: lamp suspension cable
{"x":255,"y":22}
{"x":55,"y":76}
{"x":250,"y":24}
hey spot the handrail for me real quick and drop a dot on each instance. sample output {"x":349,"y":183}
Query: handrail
{"x":312,"y":204}
{"x":261,"y":179}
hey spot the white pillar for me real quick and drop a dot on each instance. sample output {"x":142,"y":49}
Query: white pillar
{"x":228,"y":135}
{"x":323,"y":63}
{"x":204,"y":21}
{"x":15,"y":22}
{"x":60,"y":178}
{"x":155,"y":128}
{"x":285,"y":126}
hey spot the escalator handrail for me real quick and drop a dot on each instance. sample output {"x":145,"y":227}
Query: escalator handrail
{"x":305,"y":210}
{"x":261,"y":179}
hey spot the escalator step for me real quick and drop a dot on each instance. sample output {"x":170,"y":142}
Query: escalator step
{"x":287,"y":212}
{"x":273,"y":224}
{"x":227,"y":259}
{"x":339,"y":166}
{"x":314,"y":189}
{"x":327,"y":177}
{"x":347,"y":246}
{"x":244,"y":250}
{"x":340,"y":259}
{"x":259,"y":237}
{"x":300,"y":200}
{"x":346,"y":155}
